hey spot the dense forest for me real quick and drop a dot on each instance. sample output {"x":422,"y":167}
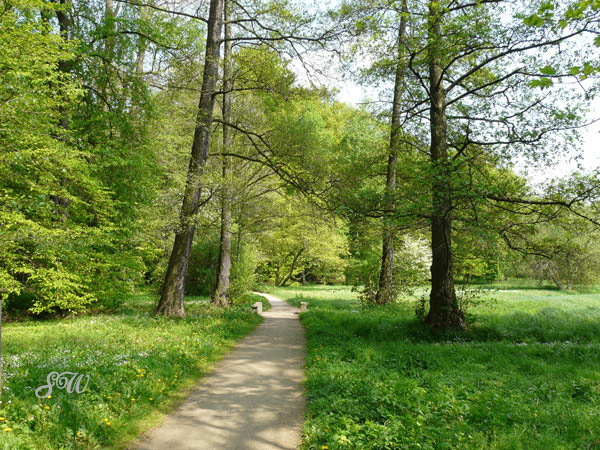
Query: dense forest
{"x":199,"y":148}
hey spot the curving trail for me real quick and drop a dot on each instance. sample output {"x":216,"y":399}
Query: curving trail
{"x":253,"y":400}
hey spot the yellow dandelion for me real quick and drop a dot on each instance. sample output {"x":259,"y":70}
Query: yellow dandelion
{"x":49,"y":396}
{"x":46,"y":407}
{"x":7,"y":429}
{"x":324,"y":448}
{"x":108,"y":424}
{"x":2,"y":419}
{"x":151,"y":399}
{"x":133,"y":399}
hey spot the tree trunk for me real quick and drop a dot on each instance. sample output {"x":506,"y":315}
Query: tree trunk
{"x":220,"y":295}
{"x":444,"y":311}
{"x":109,"y":46}
{"x":238,"y":256}
{"x":558,"y":283}
{"x":292,"y":268}
{"x":64,"y":66}
{"x":304,"y":282}
{"x":277,"y":275}
{"x":142,"y":45}
{"x":171,"y":300}
{"x":385,"y":291}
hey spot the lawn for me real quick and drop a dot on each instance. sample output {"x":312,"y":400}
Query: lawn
{"x":525,"y":376}
{"x":139,"y":367}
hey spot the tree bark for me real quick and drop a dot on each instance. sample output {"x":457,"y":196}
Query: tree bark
{"x":444,"y":311}
{"x":110,"y":14}
{"x":64,"y":66}
{"x":238,"y":255}
{"x":220,"y":295}
{"x":142,"y":45}
{"x":385,"y":291}
{"x":171,"y":300}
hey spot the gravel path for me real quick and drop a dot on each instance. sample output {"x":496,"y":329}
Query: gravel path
{"x":253,"y":400}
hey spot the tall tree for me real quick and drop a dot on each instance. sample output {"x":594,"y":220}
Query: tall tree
{"x":444,"y":310}
{"x":385,"y":292}
{"x":478,"y":85}
{"x":480,"y":70}
{"x":171,"y":299}
{"x":220,"y":294}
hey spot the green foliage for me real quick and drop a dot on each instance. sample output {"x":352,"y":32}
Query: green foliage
{"x":137,"y":364}
{"x":412,"y":263}
{"x":57,"y":221}
{"x":568,"y":253}
{"x":243,"y":270}
{"x":524,"y":377}
{"x":301,"y":238}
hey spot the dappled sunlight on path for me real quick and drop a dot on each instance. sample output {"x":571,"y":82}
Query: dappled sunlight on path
{"x":253,"y":400}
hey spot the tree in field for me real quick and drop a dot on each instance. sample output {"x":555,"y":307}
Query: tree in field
{"x":472,"y":57}
{"x":365,"y":22}
{"x":483,"y":88}
{"x":384,"y":293}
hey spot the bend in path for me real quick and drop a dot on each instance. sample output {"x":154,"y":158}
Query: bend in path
{"x":253,"y":400}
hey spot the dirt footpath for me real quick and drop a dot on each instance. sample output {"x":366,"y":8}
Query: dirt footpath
{"x":253,"y":400}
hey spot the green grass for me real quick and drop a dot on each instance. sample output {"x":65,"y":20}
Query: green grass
{"x":139,"y":367}
{"x":525,"y":376}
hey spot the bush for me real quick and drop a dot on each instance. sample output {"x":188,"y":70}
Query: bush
{"x":204,"y":259}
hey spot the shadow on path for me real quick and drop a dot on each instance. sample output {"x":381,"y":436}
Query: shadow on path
{"x":253,"y":400}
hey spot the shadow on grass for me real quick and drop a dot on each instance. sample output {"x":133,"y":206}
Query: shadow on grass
{"x":399,"y":323}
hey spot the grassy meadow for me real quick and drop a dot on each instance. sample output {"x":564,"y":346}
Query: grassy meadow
{"x":139,"y":367}
{"x":526,"y":375}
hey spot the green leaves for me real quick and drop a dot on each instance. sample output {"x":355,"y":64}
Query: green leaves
{"x":588,"y":68}
{"x":65,"y":243}
{"x":542,"y":83}
{"x":548,"y":70}
{"x":534,"y":20}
